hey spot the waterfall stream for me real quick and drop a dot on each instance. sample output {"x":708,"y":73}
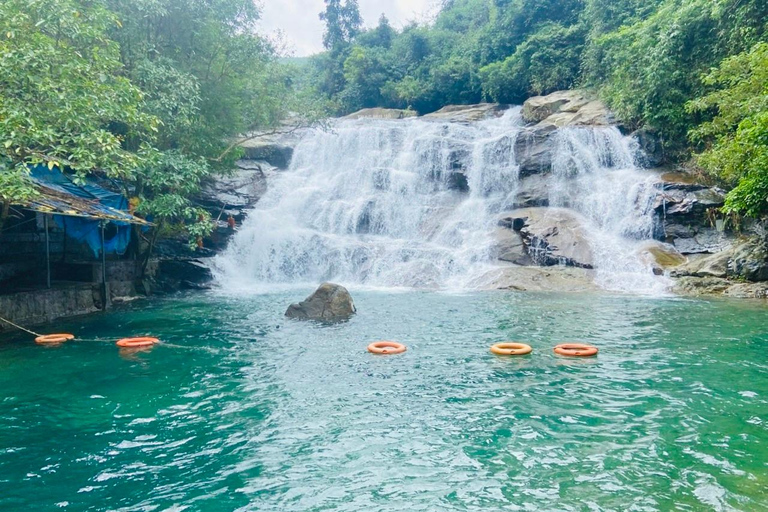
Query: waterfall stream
{"x":414,"y":203}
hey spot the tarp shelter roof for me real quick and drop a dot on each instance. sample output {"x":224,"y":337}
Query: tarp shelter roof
{"x":59,"y":195}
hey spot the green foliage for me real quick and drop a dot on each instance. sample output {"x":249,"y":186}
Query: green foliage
{"x":737,"y":134}
{"x":547,"y":61}
{"x":208,"y":77}
{"x":645,"y":58}
{"x":342,"y":23}
{"x":649,"y":70}
{"x":61,"y":92}
{"x":149,"y":91}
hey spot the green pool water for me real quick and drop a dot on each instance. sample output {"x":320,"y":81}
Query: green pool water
{"x":242,"y":409}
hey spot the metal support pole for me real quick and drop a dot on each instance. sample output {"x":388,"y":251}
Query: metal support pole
{"x":104,"y":285}
{"x":47,"y":251}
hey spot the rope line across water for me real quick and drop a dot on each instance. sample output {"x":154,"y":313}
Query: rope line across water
{"x":36,"y":335}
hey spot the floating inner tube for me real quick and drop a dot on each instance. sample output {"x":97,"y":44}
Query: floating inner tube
{"x":511,"y":349}
{"x":54,"y":338}
{"x":386,"y":347}
{"x":575,"y":350}
{"x":137,"y":342}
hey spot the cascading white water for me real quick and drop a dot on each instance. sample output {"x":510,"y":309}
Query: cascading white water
{"x":414,"y":203}
{"x":595,"y":173}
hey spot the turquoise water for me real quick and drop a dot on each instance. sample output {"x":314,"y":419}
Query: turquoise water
{"x":245,"y":410}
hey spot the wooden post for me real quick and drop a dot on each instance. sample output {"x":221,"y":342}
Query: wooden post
{"x":47,"y":251}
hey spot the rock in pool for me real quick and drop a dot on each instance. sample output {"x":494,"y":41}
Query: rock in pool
{"x":329,"y":303}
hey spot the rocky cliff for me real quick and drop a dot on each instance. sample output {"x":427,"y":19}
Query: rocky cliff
{"x":542,"y":245}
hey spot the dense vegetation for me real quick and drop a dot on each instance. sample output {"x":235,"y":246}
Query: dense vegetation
{"x":153,"y":91}
{"x":144,"y":91}
{"x":651,"y":60}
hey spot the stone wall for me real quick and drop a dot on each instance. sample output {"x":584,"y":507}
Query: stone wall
{"x":42,"y":306}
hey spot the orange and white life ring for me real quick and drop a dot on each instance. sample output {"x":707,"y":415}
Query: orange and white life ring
{"x":49,"y":339}
{"x":575,"y":350}
{"x":511,"y":349}
{"x":386,"y":348}
{"x":137,"y":342}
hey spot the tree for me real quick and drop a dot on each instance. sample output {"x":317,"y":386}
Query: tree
{"x":63,"y":99}
{"x":209,"y":77}
{"x":342,"y":23}
{"x":737,"y":134}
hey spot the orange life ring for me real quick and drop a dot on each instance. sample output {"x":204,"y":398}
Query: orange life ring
{"x":54,"y":338}
{"x":386,"y":347}
{"x":511,"y":349}
{"x":575,"y":350}
{"x":137,"y":342}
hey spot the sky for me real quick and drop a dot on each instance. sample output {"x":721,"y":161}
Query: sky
{"x":302,"y":29}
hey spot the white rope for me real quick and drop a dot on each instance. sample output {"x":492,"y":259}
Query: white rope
{"x":20,"y":327}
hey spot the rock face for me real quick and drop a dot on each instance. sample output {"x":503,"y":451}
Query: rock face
{"x":237,"y":192}
{"x":683,"y":209}
{"x":275,"y":148}
{"x":535,"y":145}
{"x":466,"y":113}
{"x":233,"y":195}
{"x":566,"y":108}
{"x":329,"y":303}
{"x":747,"y":260}
{"x":182,"y":274}
{"x":534,"y":149}
{"x":550,"y":236}
{"x":381,"y":113}
{"x":277,"y":155}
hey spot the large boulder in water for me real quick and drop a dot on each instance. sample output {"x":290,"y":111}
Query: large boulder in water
{"x":330,"y":303}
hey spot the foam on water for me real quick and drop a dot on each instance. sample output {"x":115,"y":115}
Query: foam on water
{"x":413,"y":203}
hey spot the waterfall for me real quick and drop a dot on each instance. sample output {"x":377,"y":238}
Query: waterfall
{"x":414,"y":203}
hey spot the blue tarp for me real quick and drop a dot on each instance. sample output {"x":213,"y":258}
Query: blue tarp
{"x":86,"y":229}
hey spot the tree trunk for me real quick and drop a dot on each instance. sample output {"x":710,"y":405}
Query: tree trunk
{"x":4,"y":213}
{"x":148,"y":254}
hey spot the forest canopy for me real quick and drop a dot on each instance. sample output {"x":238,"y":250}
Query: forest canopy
{"x":149,"y":92}
{"x":667,"y":65}
{"x":153,"y":92}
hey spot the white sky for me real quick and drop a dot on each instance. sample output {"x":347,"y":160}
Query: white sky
{"x":303,"y":31}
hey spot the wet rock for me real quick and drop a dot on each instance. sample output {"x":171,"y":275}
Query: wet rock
{"x":701,"y":286}
{"x":661,"y":256}
{"x":274,"y":153}
{"x":510,"y":246}
{"x":711,"y":265}
{"x":237,"y":192}
{"x":747,"y":291}
{"x":534,"y":149}
{"x":182,"y":274}
{"x":381,"y":113}
{"x":685,"y":209}
{"x":533,"y":191}
{"x":458,"y":181}
{"x":747,"y":260}
{"x":651,"y":147}
{"x":329,"y":303}
{"x":552,"y":236}
{"x":527,"y":278}
{"x":466,"y":113}
{"x":698,"y":286}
